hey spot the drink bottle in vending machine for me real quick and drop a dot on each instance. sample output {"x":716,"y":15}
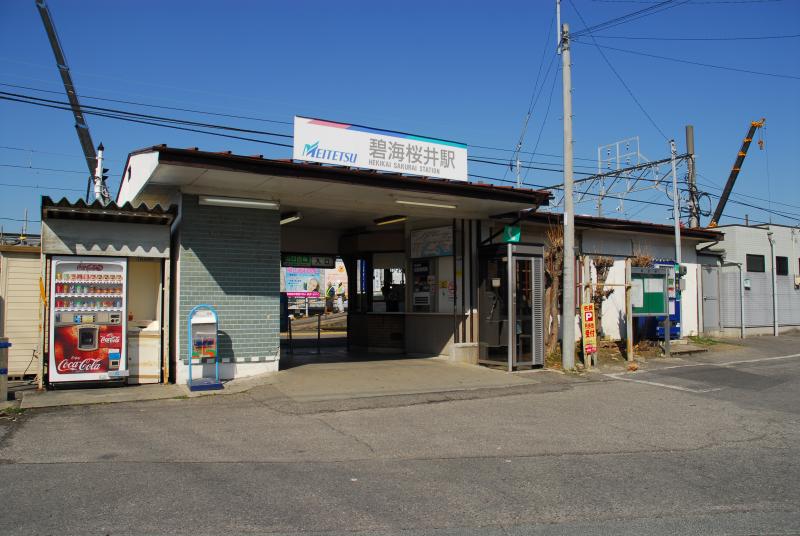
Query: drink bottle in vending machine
{"x":87,"y":320}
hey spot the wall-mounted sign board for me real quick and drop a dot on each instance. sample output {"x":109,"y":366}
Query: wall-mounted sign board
{"x":649,"y":291}
{"x":345,"y":144}
{"x":434,"y":242}
{"x":299,"y":260}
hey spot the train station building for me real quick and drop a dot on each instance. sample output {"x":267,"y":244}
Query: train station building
{"x":465,"y":292}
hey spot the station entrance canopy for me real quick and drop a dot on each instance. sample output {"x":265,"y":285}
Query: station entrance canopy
{"x":363,"y":195}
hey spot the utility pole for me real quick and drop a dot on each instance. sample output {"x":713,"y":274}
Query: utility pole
{"x":568,"y":306}
{"x":675,"y":208}
{"x":694,"y":209}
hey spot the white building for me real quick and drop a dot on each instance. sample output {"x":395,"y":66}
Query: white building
{"x":769,"y":259}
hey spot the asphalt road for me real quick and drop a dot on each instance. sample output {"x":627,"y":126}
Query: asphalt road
{"x":709,"y":445}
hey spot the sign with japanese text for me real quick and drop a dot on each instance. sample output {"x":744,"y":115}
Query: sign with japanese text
{"x":303,"y":282}
{"x":327,"y":142}
{"x":588,"y":328}
{"x":308,"y":261}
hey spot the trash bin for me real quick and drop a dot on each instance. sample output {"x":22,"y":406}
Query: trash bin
{"x":4,"y":346}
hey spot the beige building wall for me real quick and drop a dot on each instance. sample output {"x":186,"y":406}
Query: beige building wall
{"x":19,"y":307}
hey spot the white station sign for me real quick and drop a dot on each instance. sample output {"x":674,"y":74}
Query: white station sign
{"x":327,"y":142}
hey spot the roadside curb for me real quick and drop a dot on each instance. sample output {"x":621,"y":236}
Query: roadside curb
{"x":141,"y":393}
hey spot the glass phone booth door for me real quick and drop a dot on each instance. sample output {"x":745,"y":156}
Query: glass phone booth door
{"x":511,"y":296}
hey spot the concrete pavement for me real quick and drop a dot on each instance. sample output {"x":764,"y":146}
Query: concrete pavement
{"x":563,"y":455}
{"x":314,"y":377}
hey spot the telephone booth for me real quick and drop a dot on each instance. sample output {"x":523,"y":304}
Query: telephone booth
{"x":511,"y":308}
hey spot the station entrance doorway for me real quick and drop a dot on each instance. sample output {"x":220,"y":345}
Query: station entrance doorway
{"x":511,"y":296}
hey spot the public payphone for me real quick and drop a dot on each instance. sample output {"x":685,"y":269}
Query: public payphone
{"x":511,"y":312}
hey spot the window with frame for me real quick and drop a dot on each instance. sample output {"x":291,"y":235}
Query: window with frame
{"x":755,"y":263}
{"x":781,"y":265}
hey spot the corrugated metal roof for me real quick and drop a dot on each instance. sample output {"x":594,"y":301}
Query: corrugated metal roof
{"x":81,"y":210}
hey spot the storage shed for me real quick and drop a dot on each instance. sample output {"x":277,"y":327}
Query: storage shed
{"x":20,"y":268}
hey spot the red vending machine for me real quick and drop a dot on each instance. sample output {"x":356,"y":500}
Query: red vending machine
{"x":87,"y":319}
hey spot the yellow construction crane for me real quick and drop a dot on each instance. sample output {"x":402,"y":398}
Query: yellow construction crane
{"x":737,"y":166}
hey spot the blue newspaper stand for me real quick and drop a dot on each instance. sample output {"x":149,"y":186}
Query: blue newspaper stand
{"x":203,"y":323}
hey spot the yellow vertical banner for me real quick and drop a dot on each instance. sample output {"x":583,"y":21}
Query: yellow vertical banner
{"x":588,"y":329}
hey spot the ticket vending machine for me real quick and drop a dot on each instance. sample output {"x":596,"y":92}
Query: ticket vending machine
{"x":87,"y":319}
{"x":203,"y":350}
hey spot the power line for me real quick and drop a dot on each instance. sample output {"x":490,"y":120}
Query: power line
{"x":94,"y":110}
{"x":534,"y":93}
{"x":544,"y":121}
{"x":787,"y":215}
{"x":129,"y":119}
{"x":695,"y":2}
{"x":20,"y":219}
{"x":26,"y":150}
{"x":504,"y":161}
{"x":34,"y":168}
{"x":39,"y":187}
{"x":711,"y":185}
{"x":173,"y":108}
{"x":697,"y":63}
{"x":628,"y":17}
{"x":151,"y":123}
{"x":149,"y":116}
{"x":619,"y":77}
{"x":530,"y":153}
{"x":654,"y":38}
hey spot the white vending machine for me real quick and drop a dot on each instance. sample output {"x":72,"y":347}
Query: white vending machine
{"x":87,"y":319}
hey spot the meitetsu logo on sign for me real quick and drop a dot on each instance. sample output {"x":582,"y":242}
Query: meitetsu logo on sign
{"x":313,"y":150}
{"x":321,"y":141}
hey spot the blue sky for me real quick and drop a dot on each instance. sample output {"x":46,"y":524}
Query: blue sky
{"x":462,"y":71}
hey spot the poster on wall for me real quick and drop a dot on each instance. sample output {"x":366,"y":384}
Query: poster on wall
{"x":336,"y":278}
{"x":303,"y":282}
{"x":435,"y":242}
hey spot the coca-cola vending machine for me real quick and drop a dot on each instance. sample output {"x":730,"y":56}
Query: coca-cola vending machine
{"x":87,"y":319}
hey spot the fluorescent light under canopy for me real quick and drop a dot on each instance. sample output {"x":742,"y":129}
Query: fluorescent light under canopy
{"x":237,"y":202}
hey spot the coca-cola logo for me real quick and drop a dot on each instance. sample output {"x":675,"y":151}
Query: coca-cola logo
{"x":110,"y":338}
{"x":90,"y":267}
{"x":75,"y":364}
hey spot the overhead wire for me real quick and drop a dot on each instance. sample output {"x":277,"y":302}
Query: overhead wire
{"x":40,"y":187}
{"x":619,"y":77}
{"x":151,"y":123}
{"x":628,"y":17}
{"x":544,"y":122}
{"x":659,"y":38}
{"x":162,"y":107}
{"x":690,"y":62}
{"x":87,"y":108}
{"x":34,"y":168}
{"x":534,"y":93}
{"x":707,"y":184}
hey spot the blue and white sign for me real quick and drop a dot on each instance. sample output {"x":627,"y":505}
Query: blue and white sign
{"x":327,"y":142}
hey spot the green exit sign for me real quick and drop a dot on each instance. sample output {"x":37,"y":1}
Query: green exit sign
{"x":511,"y":233}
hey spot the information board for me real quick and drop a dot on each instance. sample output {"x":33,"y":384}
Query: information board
{"x":649,"y":291}
{"x":435,"y":242}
